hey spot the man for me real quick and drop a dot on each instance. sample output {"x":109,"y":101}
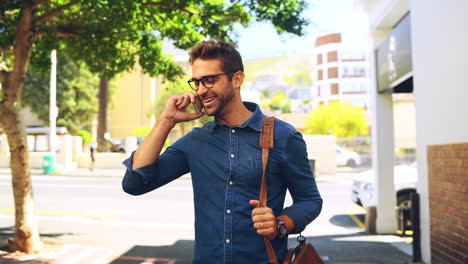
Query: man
{"x":225,"y":162}
{"x":92,"y":147}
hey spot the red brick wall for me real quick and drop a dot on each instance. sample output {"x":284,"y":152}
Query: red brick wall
{"x":319,"y":59}
{"x":448,"y":201}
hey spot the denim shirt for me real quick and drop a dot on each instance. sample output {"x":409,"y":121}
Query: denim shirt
{"x":226,"y":169}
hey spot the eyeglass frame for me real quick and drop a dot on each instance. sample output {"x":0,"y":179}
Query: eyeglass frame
{"x":200,"y":80}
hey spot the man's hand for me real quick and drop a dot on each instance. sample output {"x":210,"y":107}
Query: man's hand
{"x":264,"y":221}
{"x":175,"y":110}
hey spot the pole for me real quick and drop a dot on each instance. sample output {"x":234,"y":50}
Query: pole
{"x":53,"y":104}
{"x":415,"y":224}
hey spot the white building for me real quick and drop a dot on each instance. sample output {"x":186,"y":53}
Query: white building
{"x":420,"y":46}
{"x":339,"y":71}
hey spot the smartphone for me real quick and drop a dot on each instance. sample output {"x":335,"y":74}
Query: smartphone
{"x":198,"y":105}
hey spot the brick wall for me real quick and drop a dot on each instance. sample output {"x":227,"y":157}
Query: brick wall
{"x":448,"y":201}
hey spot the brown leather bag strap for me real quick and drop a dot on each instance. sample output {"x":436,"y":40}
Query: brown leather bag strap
{"x":266,"y":143}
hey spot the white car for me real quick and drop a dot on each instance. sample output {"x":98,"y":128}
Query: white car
{"x":405,"y":179}
{"x":347,"y":158}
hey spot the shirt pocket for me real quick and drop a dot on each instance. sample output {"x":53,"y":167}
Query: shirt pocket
{"x":250,"y":174}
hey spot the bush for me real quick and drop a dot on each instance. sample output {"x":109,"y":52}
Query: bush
{"x":85,"y":135}
{"x":141,"y":131}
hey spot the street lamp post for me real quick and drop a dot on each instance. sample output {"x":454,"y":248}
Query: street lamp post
{"x":53,"y":111}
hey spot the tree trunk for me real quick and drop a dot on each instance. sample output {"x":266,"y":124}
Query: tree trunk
{"x":102,"y":116}
{"x":26,"y":232}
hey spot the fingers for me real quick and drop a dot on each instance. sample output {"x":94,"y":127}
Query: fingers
{"x":182,"y":101}
{"x":264,"y":220}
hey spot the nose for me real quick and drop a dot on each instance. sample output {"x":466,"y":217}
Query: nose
{"x":201,"y":90}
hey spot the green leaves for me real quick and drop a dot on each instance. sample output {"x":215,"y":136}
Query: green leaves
{"x":120,"y":32}
{"x":76,"y":93}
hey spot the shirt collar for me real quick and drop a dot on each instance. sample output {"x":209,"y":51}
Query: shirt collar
{"x":254,"y":121}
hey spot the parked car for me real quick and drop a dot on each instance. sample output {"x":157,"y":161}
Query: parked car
{"x":118,"y":145}
{"x":405,"y":180}
{"x":347,"y":158}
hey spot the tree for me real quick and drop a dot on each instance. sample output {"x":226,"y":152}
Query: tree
{"x":339,"y":119}
{"x":109,"y":36}
{"x":278,"y":103}
{"x":76,"y":93}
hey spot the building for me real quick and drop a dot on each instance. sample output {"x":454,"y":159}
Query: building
{"x":134,"y":103}
{"x":419,"y":47}
{"x":339,"y":71}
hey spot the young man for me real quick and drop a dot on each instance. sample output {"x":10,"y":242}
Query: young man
{"x":225,"y":162}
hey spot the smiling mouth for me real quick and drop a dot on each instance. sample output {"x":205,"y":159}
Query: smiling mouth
{"x":208,"y":100}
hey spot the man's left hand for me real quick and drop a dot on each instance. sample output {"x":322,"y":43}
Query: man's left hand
{"x":264,"y":221}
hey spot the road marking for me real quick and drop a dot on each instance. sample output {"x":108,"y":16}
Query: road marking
{"x":149,"y":260}
{"x":356,"y":210}
{"x":102,"y":216}
{"x":78,"y":254}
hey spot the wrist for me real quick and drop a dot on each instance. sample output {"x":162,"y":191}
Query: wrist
{"x":281,"y":230}
{"x":165,"y":122}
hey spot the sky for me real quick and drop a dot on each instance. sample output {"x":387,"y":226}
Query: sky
{"x":261,"y":40}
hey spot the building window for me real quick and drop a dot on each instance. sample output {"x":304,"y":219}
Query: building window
{"x":332,"y":56}
{"x":319,"y":59}
{"x":332,"y":72}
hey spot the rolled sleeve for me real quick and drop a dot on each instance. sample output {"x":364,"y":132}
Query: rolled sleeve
{"x":169,"y":166}
{"x":301,"y":183}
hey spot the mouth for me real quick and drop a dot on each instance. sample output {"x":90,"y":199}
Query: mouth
{"x":207,"y":101}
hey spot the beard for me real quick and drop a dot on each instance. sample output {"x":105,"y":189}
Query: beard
{"x":222,"y":101}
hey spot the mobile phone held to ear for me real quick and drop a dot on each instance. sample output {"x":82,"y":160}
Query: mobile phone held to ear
{"x":198,"y":105}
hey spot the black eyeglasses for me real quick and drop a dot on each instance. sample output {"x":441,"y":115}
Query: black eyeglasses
{"x":208,"y":81}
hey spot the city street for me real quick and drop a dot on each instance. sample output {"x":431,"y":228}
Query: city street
{"x":99,"y":223}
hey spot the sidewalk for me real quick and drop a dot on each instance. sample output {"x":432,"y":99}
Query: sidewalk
{"x":119,"y":172}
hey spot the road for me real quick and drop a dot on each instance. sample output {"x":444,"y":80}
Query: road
{"x":97,"y":218}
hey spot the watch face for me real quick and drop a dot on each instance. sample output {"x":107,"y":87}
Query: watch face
{"x":282,"y":229}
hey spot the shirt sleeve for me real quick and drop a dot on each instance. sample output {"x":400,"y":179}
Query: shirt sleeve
{"x":169,"y":166}
{"x":307,"y":202}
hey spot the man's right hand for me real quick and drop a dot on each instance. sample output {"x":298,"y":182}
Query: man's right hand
{"x":175,"y":110}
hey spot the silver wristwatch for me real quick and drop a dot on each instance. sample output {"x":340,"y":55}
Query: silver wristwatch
{"x":282,"y":231}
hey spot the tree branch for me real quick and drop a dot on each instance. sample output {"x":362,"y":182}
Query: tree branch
{"x":60,"y":34}
{"x":56,"y":11}
{"x":167,"y":6}
{"x":7,"y":50}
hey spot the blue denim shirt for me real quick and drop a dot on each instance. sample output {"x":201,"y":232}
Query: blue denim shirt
{"x":226,"y":168}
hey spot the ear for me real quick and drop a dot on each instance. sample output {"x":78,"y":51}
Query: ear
{"x":238,"y":79}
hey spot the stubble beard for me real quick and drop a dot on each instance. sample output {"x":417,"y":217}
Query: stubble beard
{"x":218,"y":112}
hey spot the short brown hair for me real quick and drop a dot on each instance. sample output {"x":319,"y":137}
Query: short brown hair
{"x":231,"y":60}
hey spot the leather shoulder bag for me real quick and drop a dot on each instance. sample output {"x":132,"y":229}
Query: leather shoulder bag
{"x":304,"y":253}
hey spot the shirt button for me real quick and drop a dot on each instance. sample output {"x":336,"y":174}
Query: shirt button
{"x":232,"y":155}
{"x":228,"y":211}
{"x":231,"y":183}
{"x":228,"y":241}
{"x":233,"y":131}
